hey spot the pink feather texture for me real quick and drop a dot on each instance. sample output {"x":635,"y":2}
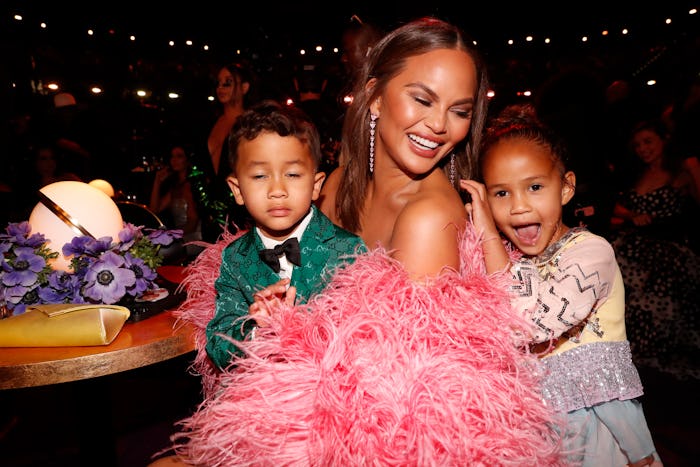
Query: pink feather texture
{"x":200,"y":304}
{"x":377,"y":370}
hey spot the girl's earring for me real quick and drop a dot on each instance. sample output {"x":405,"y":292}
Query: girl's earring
{"x":372,"y":126}
{"x":453,"y":169}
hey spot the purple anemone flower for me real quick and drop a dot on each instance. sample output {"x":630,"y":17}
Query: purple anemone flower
{"x":101,"y":271}
{"x":128,"y":236}
{"x":34,"y":241}
{"x":77,"y":246}
{"x":107,"y":279}
{"x":14,"y":294}
{"x":4,"y":248}
{"x":164,"y":237}
{"x":18,"y":234}
{"x":19,"y":297}
{"x":144,"y":275}
{"x":98,"y":246}
{"x":24,"y":269}
{"x":60,"y":287}
{"x":17,"y":231}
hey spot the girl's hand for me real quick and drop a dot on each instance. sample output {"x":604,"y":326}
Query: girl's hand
{"x":478,"y":210}
{"x":269,"y":299}
{"x":496,"y":257}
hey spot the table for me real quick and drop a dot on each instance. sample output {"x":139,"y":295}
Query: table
{"x":24,"y":370}
{"x":138,"y":344}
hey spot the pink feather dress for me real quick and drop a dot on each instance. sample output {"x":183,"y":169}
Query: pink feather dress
{"x":377,"y":370}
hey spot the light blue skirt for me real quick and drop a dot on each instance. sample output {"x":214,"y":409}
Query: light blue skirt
{"x":613,"y":433}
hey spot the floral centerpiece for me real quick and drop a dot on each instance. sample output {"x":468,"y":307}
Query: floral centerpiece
{"x":101,"y":270}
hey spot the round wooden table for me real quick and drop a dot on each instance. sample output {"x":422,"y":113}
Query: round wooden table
{"x":138,"y":344}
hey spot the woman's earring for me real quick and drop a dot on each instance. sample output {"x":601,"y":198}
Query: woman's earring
{"x":372,"y":126}
{"x":453,"y":170}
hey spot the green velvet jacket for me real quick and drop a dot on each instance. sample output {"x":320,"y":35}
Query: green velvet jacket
{"x":324,"y":246}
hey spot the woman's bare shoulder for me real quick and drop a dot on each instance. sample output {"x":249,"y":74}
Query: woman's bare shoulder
{"x":434,"y":207}
{"x":425,"y":236}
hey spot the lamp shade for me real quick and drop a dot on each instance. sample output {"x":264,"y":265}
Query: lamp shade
{"x":76,"y":203}
{"x":103,"y":185}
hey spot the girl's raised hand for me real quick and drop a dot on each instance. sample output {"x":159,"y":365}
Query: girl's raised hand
{"x":478,"y":209}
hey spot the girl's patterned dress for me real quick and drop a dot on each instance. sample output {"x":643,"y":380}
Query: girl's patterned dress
{"x":574,"y":295}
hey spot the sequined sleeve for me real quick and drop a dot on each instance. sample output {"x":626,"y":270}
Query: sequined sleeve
{"x":560,"y":292}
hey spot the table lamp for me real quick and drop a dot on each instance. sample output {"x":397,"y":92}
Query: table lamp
{"x":103,"y":185}
{"x":69,"y":209}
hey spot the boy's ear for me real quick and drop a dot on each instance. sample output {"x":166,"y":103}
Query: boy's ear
{"x":568,"y":189}
{"x":235,"y":189}
{"x":318,"y":184}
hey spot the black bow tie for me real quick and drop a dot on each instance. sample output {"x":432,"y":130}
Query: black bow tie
{"x":290,"y":248}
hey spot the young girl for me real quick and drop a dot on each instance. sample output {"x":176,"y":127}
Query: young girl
{"x":568,"y":283}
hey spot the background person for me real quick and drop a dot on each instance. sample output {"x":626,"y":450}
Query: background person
{"x":652,"y":235}
{"x":172,"y":199}
{"x":234,"y":92}
{"x":44,"y":168}
{"x":67,"y":126}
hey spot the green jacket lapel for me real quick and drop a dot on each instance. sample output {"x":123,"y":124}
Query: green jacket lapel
{"x":314,"y":254}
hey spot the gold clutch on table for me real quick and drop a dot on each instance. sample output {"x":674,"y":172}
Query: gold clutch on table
{"x":60,"y":325}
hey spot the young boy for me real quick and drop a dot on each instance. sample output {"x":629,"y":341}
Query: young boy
{"x":274,"y":157}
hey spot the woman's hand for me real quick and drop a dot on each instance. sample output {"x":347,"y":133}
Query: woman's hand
{"x":269,"y":299}
{"x":622,"y":214}
{"x":640,"y":220}
{"x":162,"y":174}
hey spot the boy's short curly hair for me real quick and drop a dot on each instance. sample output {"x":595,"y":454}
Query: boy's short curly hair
{"x":272,"y":117}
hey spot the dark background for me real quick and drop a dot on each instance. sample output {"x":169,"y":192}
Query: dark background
{"x":125,"y":129}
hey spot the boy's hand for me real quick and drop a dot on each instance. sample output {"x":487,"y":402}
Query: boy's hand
{"x":269,"y":298}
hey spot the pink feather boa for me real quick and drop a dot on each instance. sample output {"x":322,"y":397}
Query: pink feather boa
{"x":200,"y":304}
{"x":379,"y":370}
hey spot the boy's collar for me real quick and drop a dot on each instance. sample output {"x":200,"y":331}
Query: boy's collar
{"x":298,"y":232}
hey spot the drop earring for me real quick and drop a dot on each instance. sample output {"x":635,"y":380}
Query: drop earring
{"x":372,"y":126}
{"x":453,"y":170}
